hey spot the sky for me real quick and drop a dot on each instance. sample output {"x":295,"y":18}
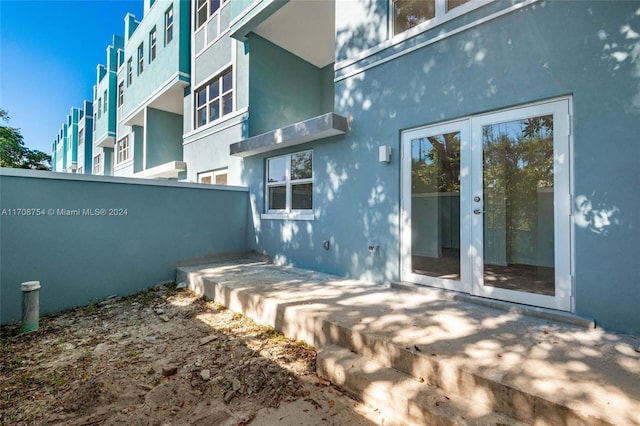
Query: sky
{"x":49,"y":50}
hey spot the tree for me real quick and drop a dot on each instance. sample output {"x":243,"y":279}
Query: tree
{"x":13,"y":152}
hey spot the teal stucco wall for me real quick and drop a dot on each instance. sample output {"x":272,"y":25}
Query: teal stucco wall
{"x":164,"y":137}
{"x":586,"y":50}
{"x":80,"y":258}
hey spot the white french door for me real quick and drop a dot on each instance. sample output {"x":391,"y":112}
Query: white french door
{"x":486,"y":205}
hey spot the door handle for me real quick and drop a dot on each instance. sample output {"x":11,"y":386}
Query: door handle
{"x":478,"y":211}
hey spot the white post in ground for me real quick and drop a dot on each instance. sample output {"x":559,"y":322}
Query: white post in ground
{"x":30,"y":305}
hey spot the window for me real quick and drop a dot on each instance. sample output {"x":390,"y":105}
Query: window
{"x":95,"y":116}
{"x":124,"y":151}
{"x":205,"y":9}
{"x":80,"y":136}
{"x":290,"y":182}
{"x":168,"y":25}
{"x":80,"y":170}
{"x":129,"y":71}
{"x":152,"y":45}
{"x":410,"y":13}
{"x":97,"y":166}
{"x":99,"y":108}
{"x":214,"y":99}
{"x":120,"y":93}
{"x":140,"y":58}
{"x":217,"y":177}
{"x":105,"y":102}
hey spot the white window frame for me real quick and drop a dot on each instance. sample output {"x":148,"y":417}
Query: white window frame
{"x":123,"y":150}
{"x":97,"y":164}
{"x":441,"y":16}
{"x":120,"y":94}
{"x":80,"y":136}
{"x":209,"y":101}
{"x":106,"y":103}
{"x":288,"y":212}
{"x":213,"y":176}
{"x":141,"y":58}
{"x":153,"y":37}
{"x":208,"y":11}
{"x":168,"y":25}
{"x":99,"y":108}
{"x":129,"y":71}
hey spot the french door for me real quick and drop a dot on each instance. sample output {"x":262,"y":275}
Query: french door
{"x":486,"y":205}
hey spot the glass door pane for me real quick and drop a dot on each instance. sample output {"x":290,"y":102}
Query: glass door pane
{"x":518,"y":193}
{"x":435,"y":205}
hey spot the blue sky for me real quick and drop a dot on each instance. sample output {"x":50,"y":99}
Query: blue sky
{"x":49,"y":50}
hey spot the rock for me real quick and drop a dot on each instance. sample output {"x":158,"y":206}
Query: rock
{"x":229,"y":396}
{"x":100,"y":348}
{"x":151,"y":370}
{"x":208,"y":339}
{"x":169,"y":370}
{"x":181,"y":285}
{"x":164,"y":318}
{"x":159,"y":311}
{"x":236,"y":385}
{"x":205,"y":374}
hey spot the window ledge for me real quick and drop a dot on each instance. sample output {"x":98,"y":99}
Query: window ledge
{"x":320,"y":127}
{"x":288,"y":216}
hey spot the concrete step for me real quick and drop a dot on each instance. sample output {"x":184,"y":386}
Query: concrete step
{"x":400,"y":398}
{"x":524,"y":372}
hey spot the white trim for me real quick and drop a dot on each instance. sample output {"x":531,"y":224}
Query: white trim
{"x":213,"y":127}
{"x":41,"y":174}
{"x":400,"y":39}
{"x":204,"y":28}
{"x":288,"y":216}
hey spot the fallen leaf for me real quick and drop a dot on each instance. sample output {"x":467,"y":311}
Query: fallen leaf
{"x":331,"y":403}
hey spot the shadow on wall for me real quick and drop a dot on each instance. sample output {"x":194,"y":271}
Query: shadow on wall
{"x":357,"y":199}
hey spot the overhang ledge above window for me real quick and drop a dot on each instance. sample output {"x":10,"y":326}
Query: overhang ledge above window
{"x":316,"y":128}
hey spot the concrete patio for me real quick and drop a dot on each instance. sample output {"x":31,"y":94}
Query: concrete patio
{"x":425,"y":356}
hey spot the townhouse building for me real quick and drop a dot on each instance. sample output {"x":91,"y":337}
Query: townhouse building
{"x":65,"y":154}
{"x":85,"y":139}
{"x":482,"y":147}
{"x":104,"y":108}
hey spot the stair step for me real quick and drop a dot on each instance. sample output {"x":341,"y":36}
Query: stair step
{"x":402,"y":399}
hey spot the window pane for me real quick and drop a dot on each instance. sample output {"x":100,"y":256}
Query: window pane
{"x":301,"y":165}
{"x":202,"y":97}
{"x":214,"y":111}
{"x":455,"y":3}
{"x":277,"y":198}
{"x":202,"y":117}
{"x":276,"y":170}
{"x":302,"y":196}
{"x":221,"y":179}
{"x":214,"y":90}
{"x":409,"y":13}
{"x":227,"y":104}
{"x":215,"y":5}
{"x":205,"y":179}
{"x":227,"y":82}
{"x":202,"y":16}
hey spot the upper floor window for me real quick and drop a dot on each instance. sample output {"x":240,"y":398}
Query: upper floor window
{"x":214,"y":99}
{"x":99,"y":108}
{"x":94,"y":121}
{"x":80,"y":136}
{"x":105,"y":102}
{"x":120,"y":93}
{"x":205,"y":9}
{"x":129,"y":71}
{"x":290,"y":183}
{"x":410,"y":13}
{"x":168,"y":25}
{"x":152,"y":45}
{"x":124,"y":151}
{"x":140,"y":58}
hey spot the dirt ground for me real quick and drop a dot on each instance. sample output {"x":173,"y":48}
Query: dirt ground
{"x":164,"y":357}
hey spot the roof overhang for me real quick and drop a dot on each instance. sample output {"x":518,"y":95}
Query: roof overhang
{"x":316,"y":128}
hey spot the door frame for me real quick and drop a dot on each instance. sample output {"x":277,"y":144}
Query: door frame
{"x":471,"y":226}
{"x":465,"y":283}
